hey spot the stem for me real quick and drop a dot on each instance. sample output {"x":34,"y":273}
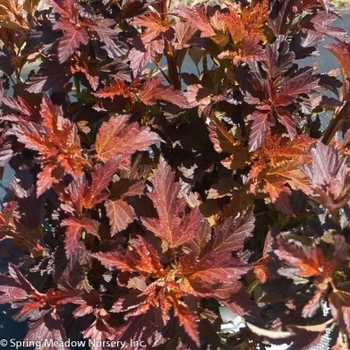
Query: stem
{"x":77,"y":84}
{"x":336,"y":123}
{"x":172,"y":67}
{"x":173,"y":75}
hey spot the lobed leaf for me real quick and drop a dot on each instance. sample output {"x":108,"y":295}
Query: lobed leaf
{"x":196,"y":18}
{"x":143,"y":258}
{"x":73,"y":37}
{"x":57,"y":142}
{"x":118,"y":138}
{"x":310,"y":261}
{"x":120,"y":215}
{"x":173,"y":225}
{"x":153,"y":90}
{"x":231,"y":234}
{"x":16,"y":287}
{"x":74,"y":231}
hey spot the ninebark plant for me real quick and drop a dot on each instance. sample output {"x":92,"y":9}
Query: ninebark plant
{"x":145,"y":196}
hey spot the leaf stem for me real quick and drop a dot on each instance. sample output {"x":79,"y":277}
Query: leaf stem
{"x":171,"y":61}
{"x":77,"y":84}
{"x":336,"y":123}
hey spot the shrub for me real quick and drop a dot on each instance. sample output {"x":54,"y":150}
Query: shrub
{"x":145,"y":196}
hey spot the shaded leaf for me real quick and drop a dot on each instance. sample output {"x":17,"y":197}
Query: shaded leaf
{"x":101,"y":177}
{"x":310,"y":261}
{"x":48,"y":327}
{"x":16,"y":287}
{"x":74,"y":229}
{"x":232,"y":233}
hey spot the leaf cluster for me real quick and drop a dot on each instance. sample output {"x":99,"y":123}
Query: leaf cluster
{"x":145,"y":195}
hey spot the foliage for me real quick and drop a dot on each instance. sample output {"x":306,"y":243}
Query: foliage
{"x":145,"y":196}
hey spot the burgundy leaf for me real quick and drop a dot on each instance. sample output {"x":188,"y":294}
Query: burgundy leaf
{"x":216,"y":274}
{"x":74,"y":228}
{"x":72,"y":38}
{"x":154,"y":90}
{"x":143,"y":53}
{"x":118,"y":138}
{"x":101,"y":177}
{"x":302,"y":82}
{"x":143,"y":258}
{"x":310,"y":261}
{"x":342,"y":52}
{"x":16,"y":287}
{"x":172,"y":225}
{"x":196,"y":18}
{"x":120,"y":215}
{"x":48,"y":330}
{"x":109,"y":37}
{"x":65,"y":8}
{"x":260,"y":126}
{"x":230,"y":235}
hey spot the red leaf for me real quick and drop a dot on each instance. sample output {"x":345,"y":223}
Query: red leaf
{"x":120,"y":215}
{"x":115,"y":137}
{"x":100,"y":330}
{"x":73,"y":37}
{"x":90,"y":73}
{"x":16,"y":287}
{"x":141,"y":53}
{"x":153,"y":90}
{"x":74,"y":229}
{"x":47,"y":177}
{"x":222,"y":140}
{"x":18,"y":104}
{"x":342,"y":52}
{"x":329,"y":176}
{"x":275,"y":187}
{"x":116,"y":88}
{"x":57,"y":142}
{"x":143,"y":258}
{"x":250,"y":22}
{"x":186,"y":36}
{"x":216,"y":275}
{"x":187,"y":319}
{"x":230,"y":235}
{"x":339,"y":302}
{"x":260,"y":125}
{"x":172,"y":225}
{"x":309,"y":260}
{"x":196,"y":18}
{"x":61,"y":297}
{"x":285,"y":117}
{"x":197,"y":244}
{"x":49,"y":327}
{"x":100,"y":179}
{"x":73,"y":234}
{"x":65,"y":8}
{"x":153,"y":26}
